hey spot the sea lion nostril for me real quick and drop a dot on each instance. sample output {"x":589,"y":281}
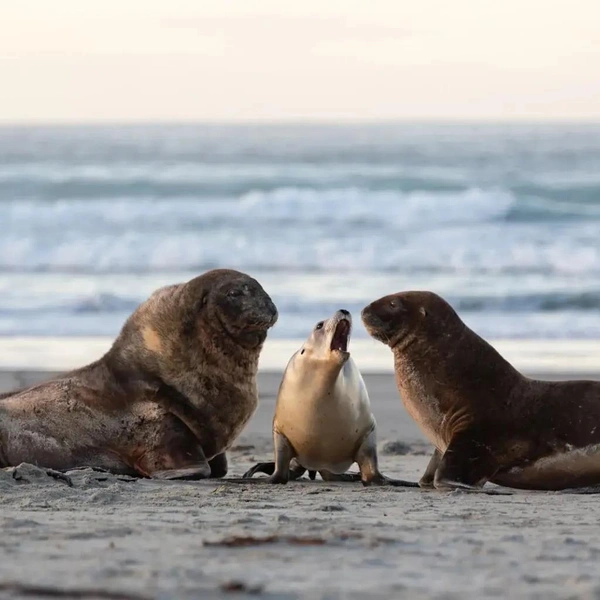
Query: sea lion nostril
{"x":344,"y":311}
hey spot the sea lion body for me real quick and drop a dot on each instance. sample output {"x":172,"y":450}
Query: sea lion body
{"x":323,"y":420}
{"x":169,"y":397}
{"x":487,"y":421}
{"x":60,"y":425}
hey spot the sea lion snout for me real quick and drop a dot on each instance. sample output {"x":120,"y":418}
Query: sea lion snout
{"x":381,"y":317}
{"x":261,"y":312}
{"x":241,"y":306}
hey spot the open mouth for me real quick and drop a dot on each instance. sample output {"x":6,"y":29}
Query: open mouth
{"x":340,"y":337}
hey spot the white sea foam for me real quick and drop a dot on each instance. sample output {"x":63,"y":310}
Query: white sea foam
{"x":503,"y":221}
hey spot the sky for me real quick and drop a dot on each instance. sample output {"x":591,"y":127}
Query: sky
{"x":284,"y":60}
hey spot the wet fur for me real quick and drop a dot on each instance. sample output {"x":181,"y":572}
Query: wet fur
{"x":189,"y":353}
{"x":514,"y":430}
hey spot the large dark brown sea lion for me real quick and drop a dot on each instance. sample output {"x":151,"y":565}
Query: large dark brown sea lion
{"x":487,"y":421}
{"x":323,"y":420}
{"x":169,"y":397}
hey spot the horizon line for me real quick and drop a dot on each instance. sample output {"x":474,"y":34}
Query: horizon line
{"x":298,"y":122}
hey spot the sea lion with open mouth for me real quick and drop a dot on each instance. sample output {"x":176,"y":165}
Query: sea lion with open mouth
{"x":487,"y":421}
{"x":323,"y":420}
{"x":166,"y":401}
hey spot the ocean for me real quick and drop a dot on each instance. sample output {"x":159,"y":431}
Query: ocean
{"x":502,"y":220}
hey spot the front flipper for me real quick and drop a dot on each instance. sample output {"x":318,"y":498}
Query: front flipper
{"x":367,"y":461}
{"x":262,"y":467}
{"x":427,"y":480}
{"x":177,"y":404}
{"x":329,"y":476}
{"x":173,"y":452}
{"x":279,"y":471}
{"x":296,"y":471}
{"x":218,"y":466}
{"x":467,"y":465}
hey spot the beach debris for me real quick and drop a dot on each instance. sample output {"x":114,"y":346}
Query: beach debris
{"x":333,"y":508}
{"x":26,"y":473}
{"x":250,"y":540}
{"x":235,"y":586}
{"x":16,"y":589}
{"x":245,"y":541}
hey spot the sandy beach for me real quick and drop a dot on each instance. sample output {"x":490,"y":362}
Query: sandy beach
{"x":339,"y":155}
{"x":104,"y":536}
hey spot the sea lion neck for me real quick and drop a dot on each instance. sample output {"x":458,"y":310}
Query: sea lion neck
{"x":225,"y":349}
{"x":456,"y":361}
{"x":153,"y":357}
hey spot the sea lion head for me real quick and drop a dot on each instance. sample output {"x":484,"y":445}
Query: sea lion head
{"x":403,"y":318}
{"x":231,"y":302}
{"x":222,"y":312}
{"x":328,"y":341}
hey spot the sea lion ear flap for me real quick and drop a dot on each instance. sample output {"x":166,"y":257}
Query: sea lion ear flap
{"x":191,"y":314}
{"x":423,"y":311}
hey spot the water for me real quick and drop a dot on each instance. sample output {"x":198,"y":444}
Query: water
{"x":504,"y":221}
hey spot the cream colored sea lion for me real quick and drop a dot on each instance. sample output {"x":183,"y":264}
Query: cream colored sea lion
{"x":169,"y":397}
{"x":487,"y":421}
{"x":323,"y":420}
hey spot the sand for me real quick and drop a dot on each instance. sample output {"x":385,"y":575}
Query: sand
{"x":118,"y":537}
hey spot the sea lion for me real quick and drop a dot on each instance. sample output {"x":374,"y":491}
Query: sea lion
{"x":487,"y":421}
{"x":323,"y":420}
{"x":168,"y":398}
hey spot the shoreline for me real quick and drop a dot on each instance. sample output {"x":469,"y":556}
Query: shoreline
{"x":531,"y":356}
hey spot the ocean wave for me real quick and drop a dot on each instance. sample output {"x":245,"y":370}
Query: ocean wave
{"x":207,"y":182}
{"x":303,"y":229}
{"x":102,"y":303}
{"x":503,"y":220}
{"x":300,"y":204}
{"x":193,"y":172}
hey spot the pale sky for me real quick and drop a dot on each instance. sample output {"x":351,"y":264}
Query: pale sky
{"x":273,"y":60}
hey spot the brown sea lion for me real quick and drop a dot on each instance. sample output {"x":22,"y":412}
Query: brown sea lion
{"x":169,"y":397}
{"x":487,"y":421}
{"x":323,"y":420}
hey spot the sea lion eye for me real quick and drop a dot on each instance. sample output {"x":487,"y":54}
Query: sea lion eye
{"x":423,"y":311}
{"x":235,"y":293}
{"x":302,"y":352}
{"x":393,"y":304}
{"x":319,"y":325}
